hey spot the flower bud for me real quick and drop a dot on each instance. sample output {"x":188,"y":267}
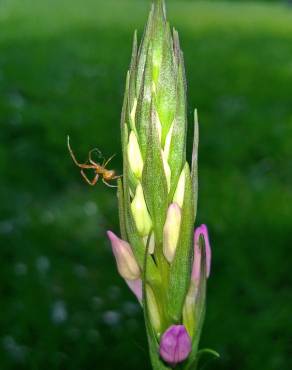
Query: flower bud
{"x":201,"y":230}
{"x":192,"y":313}
{"x":136,"y":288}
{"x":180,"y":189}
{"x":134,"y":156}
{"x":153,"y":309}
{"x":196,"y":271}
{"x":126,"y":262}
{"x":140,"y":212}
{"x":166,"y":170}
{"x":189,"y":316}
{"x":151,"y":246}
{"x":168,"y":142}
{"x":175,"y":345}
{"x":171,"y":231}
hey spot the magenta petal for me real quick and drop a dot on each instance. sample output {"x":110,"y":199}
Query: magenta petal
{"x":136,"y":288}
{"x":208,"y":249}
{"x":201,"y":230}
{"x":175,"y":345}
{"x":197,"y":257}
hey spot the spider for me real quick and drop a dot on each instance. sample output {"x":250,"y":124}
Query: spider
{"x":99,"y":169}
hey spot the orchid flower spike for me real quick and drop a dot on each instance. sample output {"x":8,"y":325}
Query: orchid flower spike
{"x":157,"y":197}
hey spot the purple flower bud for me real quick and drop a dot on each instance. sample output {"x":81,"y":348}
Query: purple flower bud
{"x":201,"y":230}
{"x":175,"y":345}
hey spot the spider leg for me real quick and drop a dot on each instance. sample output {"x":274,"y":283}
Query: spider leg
{"x":107,"y":184}
{"x":81,"y":165}
{"x":116,"y":177}
{"x":89,"y":156}
{"x":107,"y":162}
{"x":90,"y":182}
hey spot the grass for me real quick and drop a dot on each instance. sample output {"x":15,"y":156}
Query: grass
{"x":62,"y":70}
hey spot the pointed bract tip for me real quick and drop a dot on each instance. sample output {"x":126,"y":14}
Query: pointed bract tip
{"x":160,"y":3}
{"x":196,"y":116}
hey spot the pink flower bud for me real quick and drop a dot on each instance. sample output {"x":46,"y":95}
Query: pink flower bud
{"x":175,"y":345}
{"x":126,"y":262}
{"x":136,"y":288}
{"x":201,"y":230}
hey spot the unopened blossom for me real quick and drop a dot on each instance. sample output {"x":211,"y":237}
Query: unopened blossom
{"x":153,"y":309}
{"x":140,"y":212}
{"x":193,"y":310}
{"x":134,"y":155}
{"x":180,"y":189}
{"x":171,"y":231}
{"x":175,"y":345}
{"x":201,"y":231}
{"x":126,"y":262}
{"x":136,"y":288}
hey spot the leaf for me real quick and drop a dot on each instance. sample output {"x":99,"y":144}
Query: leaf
{"x":165,"y":101}
{"x":143,"y":49}
{"x":180,"y":269}
{"x":154,"y":182}
{"x":133,"y":72}
{"x":143,"y":111}
{"x":120,"y":195}
{"x":157,"y":36}
{"x":177,"y":156}
{"x":195,"y":161}
{"x":176,"y":47}
{"x":124,"y":111}
{"x":206,"y":351}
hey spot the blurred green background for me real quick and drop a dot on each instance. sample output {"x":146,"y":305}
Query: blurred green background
{"x":62,"y":71}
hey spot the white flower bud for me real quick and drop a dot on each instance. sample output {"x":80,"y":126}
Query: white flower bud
{"x":189,"y":317}
{"x":140,"y":212}
{"x":151,"y":246}
{"x":134,"y":156}
{"x":171,"y":231}
{"x":180,"y":189}
{"x":168,"y":142}
{"x":167,"y":170}
{"x":153,"y":309}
